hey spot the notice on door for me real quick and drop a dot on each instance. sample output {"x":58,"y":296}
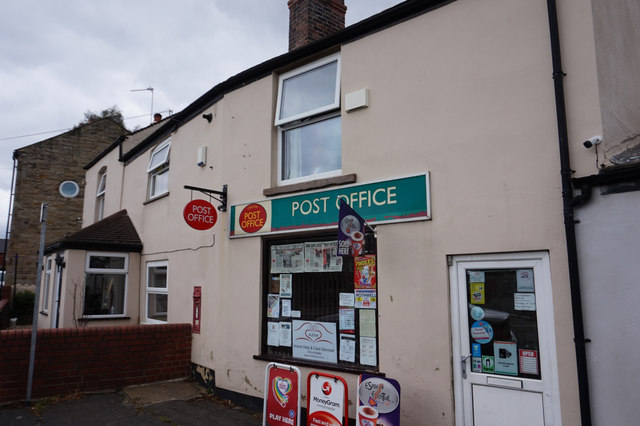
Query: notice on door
{"x":505,"y":356}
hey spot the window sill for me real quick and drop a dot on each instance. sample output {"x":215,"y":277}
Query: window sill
{"x":104,"y":319}
{"x":312,"y":184}
{"x":316,"y":365}
{"x":151,"y":200}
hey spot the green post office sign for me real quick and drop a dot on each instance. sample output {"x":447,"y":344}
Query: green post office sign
{"x":395,"y":200}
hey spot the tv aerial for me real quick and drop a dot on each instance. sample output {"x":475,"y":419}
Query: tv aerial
{"x":150,"y":89}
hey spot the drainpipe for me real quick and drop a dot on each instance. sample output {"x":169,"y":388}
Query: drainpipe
{"x":569,"y":221}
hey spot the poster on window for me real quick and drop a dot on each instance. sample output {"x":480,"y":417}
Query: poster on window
{"x":273,"y":306}
{"x":364,"y":272}
{"x":347,"y":347}
{"x":285,"y":285}
{"x":322,"y":256}
{"x":366,"y":299}
{"x":285,"y":334}
{"x":347,"y":318}
{"x":273,"y":333}
{"x":315,"y":341}
{"x":287,"y":258}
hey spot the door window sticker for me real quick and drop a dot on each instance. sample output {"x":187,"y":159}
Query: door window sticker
{"x":476,"y":364}
{"x":488,"y":364}
{"x":476,"y":276}
{"x":505,"y":355}
{"x":524,"y":302}
{"x":476,"y":295}
{"x":482,"y":332}
{"x":528,"y":361}
{"x":475,"y":349}
{"x":477,"y":313}
{"x":524,"y":279}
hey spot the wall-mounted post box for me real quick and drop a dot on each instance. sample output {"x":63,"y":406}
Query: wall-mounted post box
{"x":197,"y":299}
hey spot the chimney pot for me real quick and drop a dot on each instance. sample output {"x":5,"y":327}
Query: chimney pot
{"x":311,"y":20}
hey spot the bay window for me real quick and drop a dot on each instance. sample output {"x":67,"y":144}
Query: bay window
{"x":105,"y":284}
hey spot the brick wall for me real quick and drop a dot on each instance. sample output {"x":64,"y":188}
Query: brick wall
{"x":41,"y":168}
{"x":70,"y":360}
{"x":311,"y":20}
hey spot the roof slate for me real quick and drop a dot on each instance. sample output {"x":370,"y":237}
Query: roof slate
{"x":113,"y":233}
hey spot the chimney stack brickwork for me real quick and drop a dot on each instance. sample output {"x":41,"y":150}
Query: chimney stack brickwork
{"x":311,"y":20}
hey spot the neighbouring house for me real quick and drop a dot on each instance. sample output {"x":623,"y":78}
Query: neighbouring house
{"x":458,"y":130}
{"x":51,"y":172}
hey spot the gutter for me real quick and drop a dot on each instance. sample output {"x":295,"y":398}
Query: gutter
{"x":569,"y":220}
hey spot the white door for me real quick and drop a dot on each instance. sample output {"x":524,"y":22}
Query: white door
{"x":505,"y":370}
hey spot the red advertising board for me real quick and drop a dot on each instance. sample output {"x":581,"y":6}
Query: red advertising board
{"x":326,"y":400}
{"x":282,"y":395}
{"x":200,"y":214}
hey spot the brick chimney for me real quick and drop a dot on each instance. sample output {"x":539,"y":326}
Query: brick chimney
{"x":311,"y":20}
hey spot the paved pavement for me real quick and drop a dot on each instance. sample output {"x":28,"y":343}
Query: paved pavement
{"x":170,"y":403}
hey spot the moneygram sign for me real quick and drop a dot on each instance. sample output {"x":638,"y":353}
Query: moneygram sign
{"x":396,"y":200}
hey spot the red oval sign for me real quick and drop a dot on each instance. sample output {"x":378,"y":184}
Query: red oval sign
{"x":252,"y":218}
{"x":200,"y":214}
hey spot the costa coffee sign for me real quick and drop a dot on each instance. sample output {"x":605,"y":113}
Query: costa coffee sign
{"x":200,"y":214}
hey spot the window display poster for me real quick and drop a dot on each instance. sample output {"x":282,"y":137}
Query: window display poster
{"x":326,"y":400}
{"x":287,"y":258}
{"x":273,"y":334}
{"x":347,"y":319}
{"x":282,"y":395}
{"x":322,"y":256}
{"x":286,"y":307}
{"x":367,"y":323}
{"x":274,"y":285}
{"x":347,"y":347}
{"x":285,"y":334}
{"x":364,"y":273}
{"x":350,"y":229}
{"x":378,"y":401}
{"x":315,"y":341}
{"x":285,"y":285}
{"x":368,"y":351}
{"x":347,"y":299}
{"x":366,"y":298}
{"x":273,"y":306}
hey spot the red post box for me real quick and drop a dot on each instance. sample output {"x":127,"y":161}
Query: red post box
{"x":197,"y":297}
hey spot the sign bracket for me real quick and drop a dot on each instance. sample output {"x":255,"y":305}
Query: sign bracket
{"x":222,"y":194}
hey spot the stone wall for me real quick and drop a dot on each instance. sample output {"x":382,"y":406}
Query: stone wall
{"x":41,"y":168}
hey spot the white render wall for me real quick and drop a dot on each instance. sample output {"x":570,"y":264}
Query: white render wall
{"x":464,"y":93}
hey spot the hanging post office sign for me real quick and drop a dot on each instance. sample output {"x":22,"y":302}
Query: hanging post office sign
{"x":395,"y":200}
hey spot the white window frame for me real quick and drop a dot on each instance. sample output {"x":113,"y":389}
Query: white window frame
{"x":100,"y":195}
{"x":48,"y":276}
{"x":306,"y":118}
{"x":298,"y":71}
{"x":158,"y":167}
{"x":155,"y":290}
{"x":124,"y":271}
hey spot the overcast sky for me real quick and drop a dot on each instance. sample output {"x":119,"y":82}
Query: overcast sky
{"x":60,"y":59}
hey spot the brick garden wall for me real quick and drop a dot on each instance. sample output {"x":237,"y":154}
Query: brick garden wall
{"x":70,"y":360}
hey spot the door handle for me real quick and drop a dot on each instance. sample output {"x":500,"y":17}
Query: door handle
{"x":463,"y":364}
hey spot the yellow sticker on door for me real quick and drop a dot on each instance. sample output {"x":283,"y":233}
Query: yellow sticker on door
{"x":476,"y":295}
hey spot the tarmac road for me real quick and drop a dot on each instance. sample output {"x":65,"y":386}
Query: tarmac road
{"x":169,"y":403}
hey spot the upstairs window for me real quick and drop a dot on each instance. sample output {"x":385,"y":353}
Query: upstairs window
{"x":102,"y":188}
{"x":158,"y":169}
{"x":309,"y":124}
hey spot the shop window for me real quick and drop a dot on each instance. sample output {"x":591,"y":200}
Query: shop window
{"x":309,"y":123}
{"x":158,"y":169}
{"x":157,"y":292}
{"x":319,"y":309}
{"x":105,"y":284}
{"x":102,"y":188}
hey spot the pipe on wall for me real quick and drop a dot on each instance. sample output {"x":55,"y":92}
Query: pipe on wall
{"x":569,"y":221}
